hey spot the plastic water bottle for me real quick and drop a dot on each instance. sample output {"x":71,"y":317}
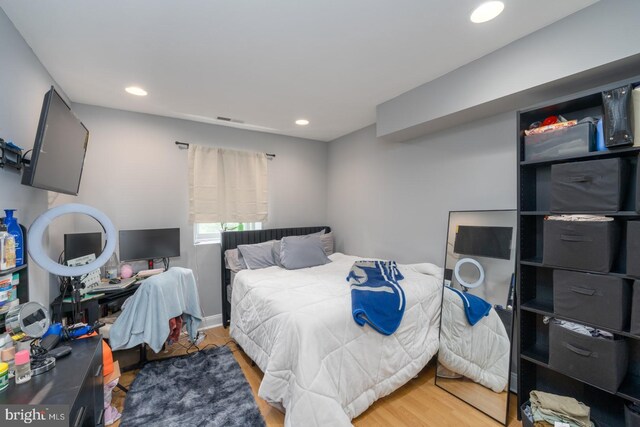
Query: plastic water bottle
{"x":111,"y":269}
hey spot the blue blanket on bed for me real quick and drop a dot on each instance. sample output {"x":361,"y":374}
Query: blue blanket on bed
{"x":474,"y":307}
{"x":376,"y":296}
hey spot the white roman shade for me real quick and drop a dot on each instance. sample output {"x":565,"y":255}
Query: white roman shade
{"x":227,"y":185}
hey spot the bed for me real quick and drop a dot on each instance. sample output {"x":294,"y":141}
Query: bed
{"x":319,"y":366}
{"x":480,"y":352}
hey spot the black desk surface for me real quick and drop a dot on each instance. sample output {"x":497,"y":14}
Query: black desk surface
{"x":107,"y":297}
{"x":59,"y":386}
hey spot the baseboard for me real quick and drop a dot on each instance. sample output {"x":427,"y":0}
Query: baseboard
{"x":514,"y":382}
{"x":211,"y":322}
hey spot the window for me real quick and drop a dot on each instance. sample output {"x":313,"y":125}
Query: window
{"x":204,"y":233}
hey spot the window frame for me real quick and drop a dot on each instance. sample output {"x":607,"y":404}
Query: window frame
{"x":214,"y":237}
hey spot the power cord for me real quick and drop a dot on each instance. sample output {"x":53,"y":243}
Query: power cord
{"x":38,"y":354}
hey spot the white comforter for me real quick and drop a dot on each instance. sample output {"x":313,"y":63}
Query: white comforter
{"x":318,"y":363}
{"x":480,"y":352}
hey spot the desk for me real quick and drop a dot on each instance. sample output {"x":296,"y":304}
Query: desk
{"x":91,"y":307}
{"x":76,"y":381}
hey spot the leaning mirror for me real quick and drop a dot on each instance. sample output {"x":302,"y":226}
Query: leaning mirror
{"x":474,"y":361}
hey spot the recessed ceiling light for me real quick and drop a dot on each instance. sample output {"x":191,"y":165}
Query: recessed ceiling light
{"x":302,"y":122}
{"x":135,"y":90}
{"x":487,"y":11}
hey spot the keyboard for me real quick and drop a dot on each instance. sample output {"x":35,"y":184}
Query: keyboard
{"x":108,"y":287}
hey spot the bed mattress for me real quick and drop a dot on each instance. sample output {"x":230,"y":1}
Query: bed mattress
{"x":318,"y":364}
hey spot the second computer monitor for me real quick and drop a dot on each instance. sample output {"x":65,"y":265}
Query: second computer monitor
{"x":149,"y":244}
{"x":77,"y":245}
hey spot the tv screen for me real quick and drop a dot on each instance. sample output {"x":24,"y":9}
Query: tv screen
{"x":490,"y":242}
{"x":58,"y":152}
{"x":149,"y":244}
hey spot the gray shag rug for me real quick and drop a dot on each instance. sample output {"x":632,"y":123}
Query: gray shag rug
{"x":206,"y":388}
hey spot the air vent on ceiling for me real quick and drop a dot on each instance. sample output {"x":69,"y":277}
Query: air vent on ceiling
{"x":227,"y":119}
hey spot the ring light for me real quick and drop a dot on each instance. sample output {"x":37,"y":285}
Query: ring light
{"x":456,"y":273}
{"x":38,"y":227}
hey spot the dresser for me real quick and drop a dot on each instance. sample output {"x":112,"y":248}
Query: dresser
{"x":76,"y":381}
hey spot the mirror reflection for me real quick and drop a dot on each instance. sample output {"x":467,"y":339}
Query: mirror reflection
{"x":477,"y":310}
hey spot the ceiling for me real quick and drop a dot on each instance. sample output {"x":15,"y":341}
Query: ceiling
{"x":266,"y":63}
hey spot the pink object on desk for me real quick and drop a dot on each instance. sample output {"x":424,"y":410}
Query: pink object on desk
{"x":126,"y":271}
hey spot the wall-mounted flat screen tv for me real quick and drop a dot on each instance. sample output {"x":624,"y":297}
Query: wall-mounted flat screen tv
{"x":491,"y":242}
{"x":59,"y":150}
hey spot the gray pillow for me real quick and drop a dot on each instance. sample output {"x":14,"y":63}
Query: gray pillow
{"x":258,"y":255}
{"x":233,"y":260}
{"x":302,"y":252}
{"x":275,"y":251}
{"x":326,"y":239}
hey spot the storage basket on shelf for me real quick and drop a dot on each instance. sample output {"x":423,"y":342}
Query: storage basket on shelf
{"x":580,"y":245}
{"x":601,"y":362}
{"x":631,"y":418}
{"x":563,"y":142}
{"x":633,"y":248}
{"x":591,"y":186}
{"x":593,"y":298}
{"x":635,"y":309}
{"x":527,"y":420}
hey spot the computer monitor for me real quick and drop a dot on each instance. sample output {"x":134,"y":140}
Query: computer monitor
{"x":148,"y":245}
{"x":81,"y":244}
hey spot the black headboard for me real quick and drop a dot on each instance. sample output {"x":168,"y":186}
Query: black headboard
{"x":231,"y":240}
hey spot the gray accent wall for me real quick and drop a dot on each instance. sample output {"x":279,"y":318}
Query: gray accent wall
{"x":23,"y":83}
{"x":136,"y":174}
{"x":392,"y":200}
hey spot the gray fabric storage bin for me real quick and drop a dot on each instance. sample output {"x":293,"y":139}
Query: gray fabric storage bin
{"x":526,"y":421}
{"x":631,"y":419}
{"x":565,"y":142}
{"x":598,"y":361}
{"x":593,"y":298}
{"x":592,"y":186}
{"x":635,"y":309}
{"x":633,"y":248}
{"x":582,"y":245}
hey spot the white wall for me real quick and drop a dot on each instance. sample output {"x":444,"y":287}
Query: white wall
{"x":23,"y":83}
{"x":137,"y":175}
{"x":522,"y":73}
{"x":391,"y":200}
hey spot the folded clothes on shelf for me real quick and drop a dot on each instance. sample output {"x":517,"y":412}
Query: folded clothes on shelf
{"x":548,"y":409}
{"x":590,"y":218}
{"x":581,"y":329}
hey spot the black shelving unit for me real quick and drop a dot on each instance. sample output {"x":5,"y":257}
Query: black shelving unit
{"x":23,"y":273}
{"x":535,"y":279}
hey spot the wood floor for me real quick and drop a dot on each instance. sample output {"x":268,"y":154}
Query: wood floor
{"x":418,"y":403}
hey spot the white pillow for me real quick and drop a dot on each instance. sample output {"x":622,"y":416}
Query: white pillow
{"x":327,"y":243}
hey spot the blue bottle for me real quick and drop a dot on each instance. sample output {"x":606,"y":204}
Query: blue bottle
{"x":14,"y":229}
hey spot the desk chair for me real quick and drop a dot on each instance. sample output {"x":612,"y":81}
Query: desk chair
{"x":160,"y":298}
